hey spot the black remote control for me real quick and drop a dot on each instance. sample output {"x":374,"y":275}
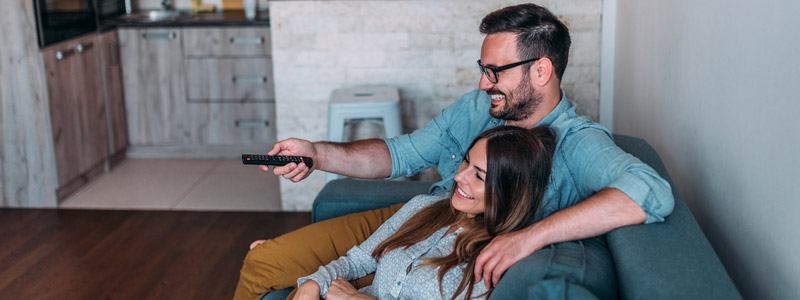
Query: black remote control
{"x":275,"y":160}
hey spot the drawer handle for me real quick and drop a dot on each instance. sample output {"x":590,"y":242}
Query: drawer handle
{"x":63,"y":54}
{"x":83,"y":47}
{"x":247,"y":41}
{"x":252,"y":123}
{"x":159,"y":35}
{"x":249,"y":79}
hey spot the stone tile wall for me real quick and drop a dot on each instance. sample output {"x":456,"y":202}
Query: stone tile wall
{"x":427,"y":49}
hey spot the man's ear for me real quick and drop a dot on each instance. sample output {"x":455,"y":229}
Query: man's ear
{"x":542,"y":71}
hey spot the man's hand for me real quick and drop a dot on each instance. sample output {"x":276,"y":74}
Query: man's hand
{"x":307,"y":291}
{"x":604,"y":211}
{"x":293,"y":147}
{"x":341,"y":289}
{"x":502,"y":252}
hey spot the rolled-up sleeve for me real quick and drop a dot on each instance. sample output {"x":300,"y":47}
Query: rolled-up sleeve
{"x":595,"y":163}
{"x":419,"y":150}
{"x":414,"y":152}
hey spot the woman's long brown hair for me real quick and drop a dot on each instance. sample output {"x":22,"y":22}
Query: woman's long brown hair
{"x":518,"y":169}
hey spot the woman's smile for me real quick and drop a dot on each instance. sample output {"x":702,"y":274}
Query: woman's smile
{"x":463,"y":194}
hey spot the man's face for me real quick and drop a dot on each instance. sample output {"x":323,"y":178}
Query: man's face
{"x":513,"y":96}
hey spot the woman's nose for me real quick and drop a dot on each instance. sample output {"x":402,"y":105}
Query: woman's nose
{"x":461,"y":176}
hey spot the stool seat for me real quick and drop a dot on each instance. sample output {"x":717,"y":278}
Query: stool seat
{"x":363,"y":103}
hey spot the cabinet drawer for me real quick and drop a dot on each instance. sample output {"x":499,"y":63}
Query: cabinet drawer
{"x":227,"y":41}
{"x":229,"y":80}
{"x":232,"y":123}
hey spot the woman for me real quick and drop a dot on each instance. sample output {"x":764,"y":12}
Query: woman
{"x":429,"y":247}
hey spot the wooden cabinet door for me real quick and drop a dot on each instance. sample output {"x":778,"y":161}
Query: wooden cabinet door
{"x":95,"y":120}
{"x":152,"y":76}
{"x":77,"y":107}
{"x":112,"y":76}
{"x":60,"y":67}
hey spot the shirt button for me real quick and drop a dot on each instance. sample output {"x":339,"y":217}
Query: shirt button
{"x":453,"y":157}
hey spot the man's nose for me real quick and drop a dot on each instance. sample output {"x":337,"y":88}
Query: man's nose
{"x":484,"y":83}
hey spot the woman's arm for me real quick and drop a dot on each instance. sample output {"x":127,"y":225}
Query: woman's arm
{"x":309,"y":290}
{"x":342,"y":290}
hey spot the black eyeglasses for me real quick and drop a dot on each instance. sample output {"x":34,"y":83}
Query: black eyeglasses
{"x":491,"y":72}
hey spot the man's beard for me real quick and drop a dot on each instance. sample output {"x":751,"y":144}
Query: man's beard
{"x":519,"y":103}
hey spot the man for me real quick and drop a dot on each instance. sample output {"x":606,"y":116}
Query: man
{"x":594,"y":188}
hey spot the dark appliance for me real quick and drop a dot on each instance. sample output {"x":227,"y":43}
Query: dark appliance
{"x":58,"y":20}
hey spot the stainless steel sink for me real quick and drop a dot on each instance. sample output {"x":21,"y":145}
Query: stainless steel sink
{"x":154,"y":15}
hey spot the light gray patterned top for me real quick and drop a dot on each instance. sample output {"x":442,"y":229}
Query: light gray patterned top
{"x":392,"y":281}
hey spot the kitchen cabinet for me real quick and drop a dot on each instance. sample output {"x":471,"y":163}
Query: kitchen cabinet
{"x":198,"y":91}
{"x":115,"y":101}
{"x":77,"y":106}
{"x":153,"y":84}
{"x":248,"y":41}
{"x":229,"y":82}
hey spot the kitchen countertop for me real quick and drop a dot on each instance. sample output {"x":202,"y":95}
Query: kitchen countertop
{"x":196,"y":19}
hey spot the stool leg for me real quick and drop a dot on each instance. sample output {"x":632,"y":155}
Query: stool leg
{"x":335,"y":125}
{"x":391,"y":123}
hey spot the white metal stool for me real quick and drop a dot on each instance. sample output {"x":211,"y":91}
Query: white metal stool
{"x":373,"y":103}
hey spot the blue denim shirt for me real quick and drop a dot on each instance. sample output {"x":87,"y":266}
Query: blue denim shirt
{"x":586,"y":159}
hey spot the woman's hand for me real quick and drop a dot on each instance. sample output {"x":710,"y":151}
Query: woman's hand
{"x":341,"y":289}
{"x":307,"y":290}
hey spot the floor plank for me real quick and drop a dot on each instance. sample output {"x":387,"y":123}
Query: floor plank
{"x":91,"y":254}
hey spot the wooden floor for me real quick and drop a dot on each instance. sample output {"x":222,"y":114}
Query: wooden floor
{"x":83,"y":254}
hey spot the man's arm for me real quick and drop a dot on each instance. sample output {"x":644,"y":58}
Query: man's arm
{"x":601,"y":213}
{"x":404,"y":155}
{"x":362,"y":159}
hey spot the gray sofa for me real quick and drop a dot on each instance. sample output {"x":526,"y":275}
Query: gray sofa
{"x":669,"y":260}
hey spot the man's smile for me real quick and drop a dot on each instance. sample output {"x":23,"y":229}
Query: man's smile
{"x":497,"y":99}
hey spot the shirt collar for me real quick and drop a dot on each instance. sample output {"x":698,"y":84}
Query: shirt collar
{"x":562,"y":106}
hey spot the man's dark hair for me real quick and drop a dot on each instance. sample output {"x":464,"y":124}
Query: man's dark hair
{"x":539,"y":33}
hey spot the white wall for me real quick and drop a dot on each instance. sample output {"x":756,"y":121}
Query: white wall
{"x":713,"y":85}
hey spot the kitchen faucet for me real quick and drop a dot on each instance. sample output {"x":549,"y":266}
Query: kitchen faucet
{"x":166,"y":4}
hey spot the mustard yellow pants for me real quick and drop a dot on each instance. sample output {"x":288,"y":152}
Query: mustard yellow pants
{"x":277,"y":263}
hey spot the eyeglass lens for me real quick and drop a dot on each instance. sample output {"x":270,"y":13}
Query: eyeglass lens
{"x":489,"y":73}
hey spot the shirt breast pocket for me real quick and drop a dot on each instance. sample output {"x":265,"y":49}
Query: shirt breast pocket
{"x":452,"y":155}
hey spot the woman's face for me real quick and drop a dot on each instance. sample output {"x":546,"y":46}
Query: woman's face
{"x":470,"y":185}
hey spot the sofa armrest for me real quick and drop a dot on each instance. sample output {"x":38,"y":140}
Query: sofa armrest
{"x":669,"y":260}
{"x":344,"y":196}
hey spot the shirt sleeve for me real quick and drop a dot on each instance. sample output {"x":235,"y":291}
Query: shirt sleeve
{"x":422,"y":149}
{"x":419,"y":150}
{"x":595,"y":163}
{"x":359,"y":261}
